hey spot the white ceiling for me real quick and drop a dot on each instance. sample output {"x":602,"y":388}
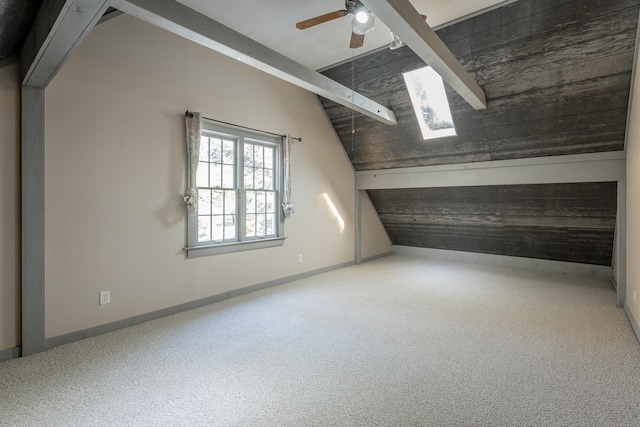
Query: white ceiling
{"x":273,"y":23}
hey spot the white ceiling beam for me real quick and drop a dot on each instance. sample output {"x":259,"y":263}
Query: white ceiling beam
{"x":590,"y":167}
{"x":59,"y":28}
{"x":403,"y":19}
{"x":186,"y":22}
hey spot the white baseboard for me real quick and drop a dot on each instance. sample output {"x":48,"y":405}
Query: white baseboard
{"x":529,"y":264}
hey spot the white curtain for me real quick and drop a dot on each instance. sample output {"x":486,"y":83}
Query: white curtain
{"x":194,"y":129}
{"x":287,"y":206}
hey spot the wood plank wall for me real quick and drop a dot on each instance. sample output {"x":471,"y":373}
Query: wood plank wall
{"x":557,"y":75}
{"x":563,"y":222}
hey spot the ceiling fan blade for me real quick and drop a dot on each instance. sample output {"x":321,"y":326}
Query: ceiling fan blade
{"x":320,"y":19}
{"x":357,"y":40}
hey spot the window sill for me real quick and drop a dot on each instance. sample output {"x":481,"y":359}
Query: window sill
{"x":226,"y":248}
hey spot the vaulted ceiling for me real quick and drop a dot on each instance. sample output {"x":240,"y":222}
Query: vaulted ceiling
{"x":556,"y":74}
{"x":16,"y":18}
{"x":272,"y":23}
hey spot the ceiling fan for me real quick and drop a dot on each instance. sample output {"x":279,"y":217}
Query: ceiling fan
{"x":361,"y":24}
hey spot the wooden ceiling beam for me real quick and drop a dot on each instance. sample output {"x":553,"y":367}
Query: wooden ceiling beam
{"x":185,"y":22}
{"x":403,"y":19}
{"x":59,"y":28}
{"x":588,"y":167}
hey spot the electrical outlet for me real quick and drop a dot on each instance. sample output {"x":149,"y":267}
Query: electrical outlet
{"x":300,"y":259}
{"x":105,"y":297}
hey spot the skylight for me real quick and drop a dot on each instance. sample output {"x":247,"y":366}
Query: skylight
{"x":430,"y":103}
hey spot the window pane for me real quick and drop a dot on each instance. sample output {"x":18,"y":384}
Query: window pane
{"x":216,"y":150}
{"x":204,"y":202}
{"x":251,"y":202}
{"x":230,"y":202}
{"x":217,"y":232}
{"x":251,"y":225}
{"x":248,"y":155}
{"x":228,"y":151}
{"x":259,"y":176}
{"x":268,"y":179}
{"x":248,"y":177}
{"x":259,"y":156}
{"x":228,"y":176}
{"x":204,"y":149}
{"x":217,"y":202}
{"x":261,"y":225}
{"x":260,"y":202}
{"x":229,"y":227}
{"x":215,"y":179}
{"x":271,"y":225}
{"x":271,"y":202}
{"x":268,"y":158}
{"x":430,"y":103}
{"x":204,"y":228}
{"x":202,"y":175}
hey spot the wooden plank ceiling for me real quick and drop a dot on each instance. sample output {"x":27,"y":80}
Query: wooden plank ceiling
{"x":16,"y":19}
{"x":556,"y":74}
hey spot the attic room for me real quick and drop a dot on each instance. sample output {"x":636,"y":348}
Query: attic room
{"x":484,"y":275}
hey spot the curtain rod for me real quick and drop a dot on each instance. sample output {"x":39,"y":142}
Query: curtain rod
{"x":190,"y":114}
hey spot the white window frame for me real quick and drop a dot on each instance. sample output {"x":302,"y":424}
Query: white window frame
{"x":240,"y":243}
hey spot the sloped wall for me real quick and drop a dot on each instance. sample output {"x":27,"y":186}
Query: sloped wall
{"x":562,"y":222}
{"x":557,"y":76}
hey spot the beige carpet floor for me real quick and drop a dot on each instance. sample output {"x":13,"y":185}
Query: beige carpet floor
{"x":394,"y":342}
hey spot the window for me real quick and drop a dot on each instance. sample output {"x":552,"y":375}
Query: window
{"x":430,"y":103}
{"x":239,"y":181}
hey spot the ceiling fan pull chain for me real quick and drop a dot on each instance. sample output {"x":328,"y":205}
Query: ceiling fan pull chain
{"x":353,"y":89}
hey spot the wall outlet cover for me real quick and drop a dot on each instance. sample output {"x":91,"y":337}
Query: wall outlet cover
{"x":105,"y":297}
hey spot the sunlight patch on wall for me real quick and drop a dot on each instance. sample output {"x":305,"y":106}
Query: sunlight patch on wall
{"x":333,"y":210}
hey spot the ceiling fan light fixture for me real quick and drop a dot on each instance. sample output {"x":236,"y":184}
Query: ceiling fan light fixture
{"x":362,"y":28}
{"x":362,"y":17}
